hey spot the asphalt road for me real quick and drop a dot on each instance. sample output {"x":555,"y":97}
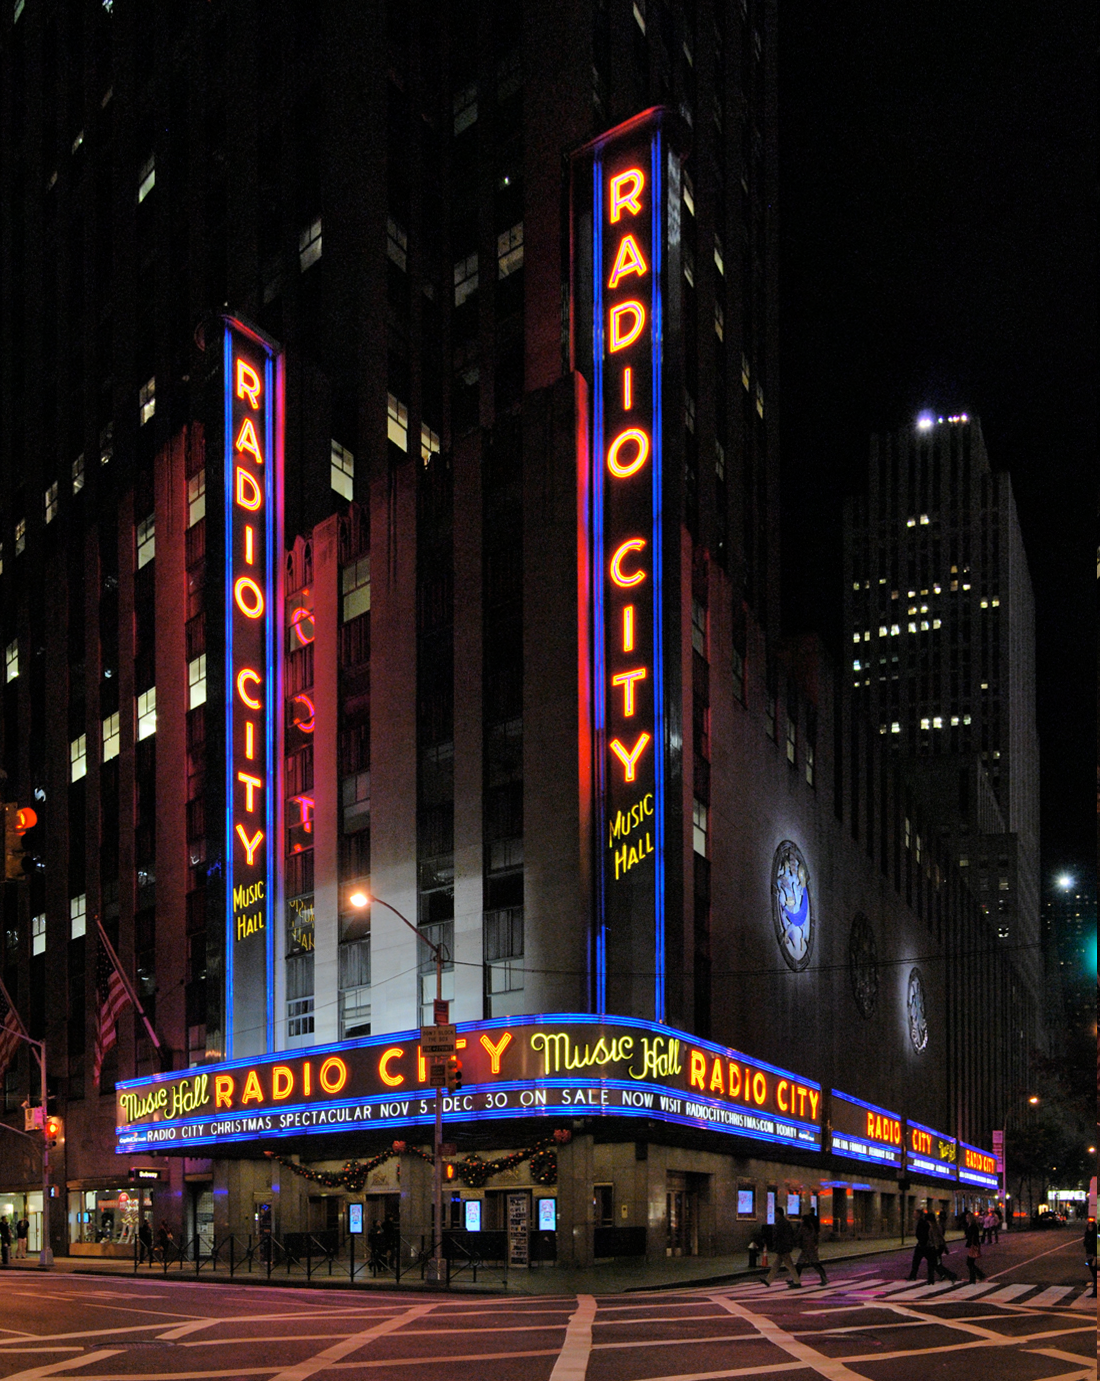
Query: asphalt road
{"x":1030,"y":1320}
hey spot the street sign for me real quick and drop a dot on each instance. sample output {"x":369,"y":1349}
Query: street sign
{"x":437,"y":1040}
{"x":437,"y":1074}
{"x":32,"y":1119}
{"x":441,"y":1011}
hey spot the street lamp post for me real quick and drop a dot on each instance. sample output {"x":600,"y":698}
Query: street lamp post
{"x":438,"y":1266}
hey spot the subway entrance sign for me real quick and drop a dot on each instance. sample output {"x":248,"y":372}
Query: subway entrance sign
{"x":554,"y":1065}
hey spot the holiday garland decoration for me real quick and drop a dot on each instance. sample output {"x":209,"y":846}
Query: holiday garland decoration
{"x":471,"y":1170}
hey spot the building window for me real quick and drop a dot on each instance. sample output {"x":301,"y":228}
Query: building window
{"x":11,"y":660}
{"x":355,"y":587}
{"x":639,"y":14}
{"x":719,"y":259}
{"x":147,"y":401}
{"x":110,"y":737}
{"x":342,"y":470}
{"x":196,"y":498}
{"x":744,"y":370}
{"x":78,"y":916}
{"x":355,"y":796}
{"x":719,"y":321}
{"x":699,"y":627}
{"x":397,"y":422}
{"x":51,"y":502}
{"x":429,"y":443}
{"x":38,"y":934}
{"x":146,"y":540}
{"x":689,"y":412}
{"x":20,"y":536}
{"x":78,"y":757}
{"x":355,"y":988}
{"x":397,"y":244}
{"x":510,"y":251}
{"x":759,"y":400}
{"x":299,"y":995}
{"x":78,"y":473}
{"x":146,"y":713}
{"x":719,"y":459}
{"x":106,"y":443}
{"x":147,"y":178}
{"x":792,"y":739}
{"x":309,"y":250}
{"x":465,"y":108}
{"x":689,"y":193}
{"x":465,"y":278}
{"x":809,"y":764}
{"x":699,"y":820}
{"x":196,"y":681}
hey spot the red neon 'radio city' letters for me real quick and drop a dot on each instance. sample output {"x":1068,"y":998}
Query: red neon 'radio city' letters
{"x":629,"y":756}
{"x":631,"y":436}
{"x":628,"y":259}
{"x":616,"y":566}
{"x":626,"y":190}
{"x":620,"y":335}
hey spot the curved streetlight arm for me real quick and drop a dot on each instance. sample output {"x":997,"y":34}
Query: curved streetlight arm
{"x":437,"y":950}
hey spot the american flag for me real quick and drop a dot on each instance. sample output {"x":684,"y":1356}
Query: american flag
{"x":10,"y":1031}
{"x":113,"y":997}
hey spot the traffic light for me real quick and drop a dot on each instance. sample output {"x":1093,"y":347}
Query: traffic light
{"x":454,"y":1074}
{"x":53,"y":1130}
{"x":17,"y":821}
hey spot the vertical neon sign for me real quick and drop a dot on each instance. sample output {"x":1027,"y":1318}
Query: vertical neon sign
{"x":626,"y":542}
{"x":253,"y":388}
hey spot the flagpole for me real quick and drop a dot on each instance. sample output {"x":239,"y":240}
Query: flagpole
{"x":131,"y":992}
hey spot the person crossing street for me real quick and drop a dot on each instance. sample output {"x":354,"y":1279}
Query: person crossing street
{"x":784,"y":1245}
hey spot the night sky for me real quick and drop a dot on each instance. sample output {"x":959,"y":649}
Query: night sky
{"x":937,"y":231}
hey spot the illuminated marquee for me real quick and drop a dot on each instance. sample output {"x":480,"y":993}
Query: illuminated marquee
{"x":524,"y":1066}
{"x":253,"y":662}
{"x":861,"y":1131}
{"x":634,"y":192}
{"x":978,"y":1167}
{"x":929,"y":1152}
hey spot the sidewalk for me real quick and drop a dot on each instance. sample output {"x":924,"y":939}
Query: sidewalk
{"x":611,"y":1277}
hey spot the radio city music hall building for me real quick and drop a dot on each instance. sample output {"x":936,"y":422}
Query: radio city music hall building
{"x":389,"y":492}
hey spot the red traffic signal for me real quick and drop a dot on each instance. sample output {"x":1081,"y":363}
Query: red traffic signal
{"x":25,"y":819}
{"x":454,"y":1074}
{"x":53,"y":1130}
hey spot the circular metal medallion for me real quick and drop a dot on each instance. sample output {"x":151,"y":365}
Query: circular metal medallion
{"x":863,"y":964}
{"x":792,"y":907}
{"x":917,"y":1009}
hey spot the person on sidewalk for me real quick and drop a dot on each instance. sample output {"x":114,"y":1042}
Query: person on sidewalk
{"x":5,"y":1241}
{"x":808,"y":1236}
{"x":974,"y":1247}
{"x":922,"y":1251}
{"x":145,"y":1242}
{"x":784,"y":1245}
{"x":22,"y":1232}
{"x":1090,"y":1252}
{"x":937,"y":1245}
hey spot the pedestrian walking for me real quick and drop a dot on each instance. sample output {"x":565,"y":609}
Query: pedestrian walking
{"x":922,"y":1251}
{"x":784,"y":1245}
{"x":5,"y":1241}
{"x":809,"y":1234}
{"x":937,"y":1245}
{"x":974,"y":1247}
{"x":987,"y":1228}
{"x":998,"y":1223}
{"x":145,"y":1242}
{"x":164,"y":1241}
{"x":22,"y":1232}
{"x":1090,"y":1251}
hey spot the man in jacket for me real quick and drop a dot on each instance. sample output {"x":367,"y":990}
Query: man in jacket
{"x":922,"y":1251}
{"x":784,"y":1245}
{"x":937,"y":1246}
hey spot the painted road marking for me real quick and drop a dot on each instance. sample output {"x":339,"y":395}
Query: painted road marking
{"x":321,"y":1361}
{"x":572,"y":1363}
{"x":971,"y":1291}
{"x":1052,"y":1295}
{"x":1085,"y":1301}
{"x":829,"y":1367}
{"x":1006,"y":1292}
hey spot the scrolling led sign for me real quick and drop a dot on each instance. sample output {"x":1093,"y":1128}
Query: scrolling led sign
{"x":978,"y":1167}
{"x":253,"y":543}
{"x":862,"y":1131}
{"x":630,"y":173}
{"x":518,"y":1067}
{"x":930,"y":1152}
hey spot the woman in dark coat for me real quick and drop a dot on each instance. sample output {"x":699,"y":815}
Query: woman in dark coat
{"x":974,"y":1247}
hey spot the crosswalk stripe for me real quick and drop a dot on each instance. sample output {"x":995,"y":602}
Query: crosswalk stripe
{"x":1007,"y":1292}
{"x":922,"y":1291}
{"x":1052,"y":1294}
{"x":970,"y":1291}
{"x":1085,"y":1301}
{"x":891,"y":1286}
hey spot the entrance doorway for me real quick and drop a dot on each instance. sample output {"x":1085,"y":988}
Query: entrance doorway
{"x":200,"y":1227}
{"x":681,"y":1216}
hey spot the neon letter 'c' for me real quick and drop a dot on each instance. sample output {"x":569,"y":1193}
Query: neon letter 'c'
{"x":639,"y":438}
{"x":393,"y":1053}
{"x":247,"y":674}
{"x":616,"y":567}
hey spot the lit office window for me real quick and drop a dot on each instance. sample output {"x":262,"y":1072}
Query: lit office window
{"x":309,"y":244}
{"x":792,"y":739}
{"x":688,"y":193}
{"x":38,"y":934}
{"x":355,"y":588}
{"x":397,"y":422}
{"x":719,"y":257}
{"x":78,"y":757}
{"x":147,"y":400}
{"x":111,"y":737}
{"x":78,"y":473}
{"x":50,"y":502}
{"x":466,"y":278}
{"x":719,"y":321}
{"x":78,"y":916}
{"x":699,"y":820}
{"x":147,"y":178}
{"x":106,"y":443}
{"x":196,"y":498}
{"x":146,"y":724}
{"x":510,"y":251}
{"x":342,"y":471}
{"x":20,"y":536}
{"x":196,"y":681}
{"x":146,"y":540}
{"x":11,"y":660}
{"x":429,"y":443}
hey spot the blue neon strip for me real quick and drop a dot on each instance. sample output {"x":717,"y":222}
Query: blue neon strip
{"x":228,"y":543}
{"x":930,"y":1130}
{"x":274,"y":622}
{"x":597,"y":567}
{"x":656,"y":241}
